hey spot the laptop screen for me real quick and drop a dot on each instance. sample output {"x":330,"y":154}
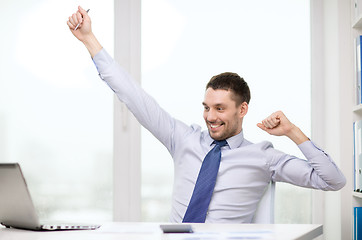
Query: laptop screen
{"x":16,"y":206}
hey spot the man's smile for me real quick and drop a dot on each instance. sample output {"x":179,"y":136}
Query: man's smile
{"x":215,"y":126}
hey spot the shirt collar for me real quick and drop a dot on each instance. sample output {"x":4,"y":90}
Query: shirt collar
{"x":233,"y":142}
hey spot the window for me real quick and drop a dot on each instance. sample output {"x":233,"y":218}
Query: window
{"x":55,"y":113}
{"x":185,"y":43}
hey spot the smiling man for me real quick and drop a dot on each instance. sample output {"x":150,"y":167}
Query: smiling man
{"x":219,"y":175}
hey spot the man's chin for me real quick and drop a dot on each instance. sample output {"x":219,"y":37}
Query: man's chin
{"x":216,"y":137}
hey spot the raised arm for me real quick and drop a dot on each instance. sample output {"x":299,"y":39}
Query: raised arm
{"x":146,"y":110}
{"x":84,"y":32}
{"x":319,"y":171}
{"x":278,"y":124}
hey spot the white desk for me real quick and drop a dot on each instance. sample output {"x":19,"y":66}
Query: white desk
{"x":150,"y":231}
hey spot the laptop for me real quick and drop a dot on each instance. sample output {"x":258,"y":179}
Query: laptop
{"x":16,"y":206}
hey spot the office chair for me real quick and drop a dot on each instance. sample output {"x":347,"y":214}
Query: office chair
{"x":265,"y":211}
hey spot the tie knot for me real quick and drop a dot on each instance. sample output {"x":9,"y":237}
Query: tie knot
{"x":221,"y":143}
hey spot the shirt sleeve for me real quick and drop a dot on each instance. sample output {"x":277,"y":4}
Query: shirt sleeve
{"x":318,"y":171}
{"x":146,"y":110}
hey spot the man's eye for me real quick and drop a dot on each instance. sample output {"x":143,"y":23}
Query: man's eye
{"x":206,"y":108}
{"x":220,"y":109}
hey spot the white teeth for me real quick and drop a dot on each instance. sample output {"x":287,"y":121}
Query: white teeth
{"x":214,"y":126}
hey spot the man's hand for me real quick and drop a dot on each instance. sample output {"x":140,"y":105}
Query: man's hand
{"x":80,"y":17}
{"x":84,"y":31}
{"x":278,"y":124}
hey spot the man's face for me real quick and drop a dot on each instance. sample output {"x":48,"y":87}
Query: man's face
{"x":223,"y":118}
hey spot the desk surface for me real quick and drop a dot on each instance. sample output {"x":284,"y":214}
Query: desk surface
{"x":150,"y":231}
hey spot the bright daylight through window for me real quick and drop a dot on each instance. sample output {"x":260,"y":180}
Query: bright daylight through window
{"x":55,"y":112}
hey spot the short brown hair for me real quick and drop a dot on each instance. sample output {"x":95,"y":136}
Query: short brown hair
{"x":231,"y":81}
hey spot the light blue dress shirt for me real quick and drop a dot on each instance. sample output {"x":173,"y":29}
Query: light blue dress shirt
{"x":245,"y":169}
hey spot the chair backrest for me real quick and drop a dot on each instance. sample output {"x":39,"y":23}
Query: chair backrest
{"x":265,"y":211}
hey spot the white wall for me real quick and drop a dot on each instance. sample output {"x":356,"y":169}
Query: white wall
{"x":332,"y":76}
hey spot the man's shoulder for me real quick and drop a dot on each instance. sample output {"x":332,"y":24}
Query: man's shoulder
{"x":265,"y":145}
{"x":185,"y":131}
{"x":263,"y":148}
{"x":261,"y":145}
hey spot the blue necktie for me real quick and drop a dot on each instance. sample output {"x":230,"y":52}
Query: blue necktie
{"x":204,"y":187}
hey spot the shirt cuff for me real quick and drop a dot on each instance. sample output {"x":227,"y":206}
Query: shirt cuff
{"x":310,"y":150}
{"x":102,"y":60}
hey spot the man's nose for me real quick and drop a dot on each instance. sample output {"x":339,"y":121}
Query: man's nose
{"x":211,"y":116}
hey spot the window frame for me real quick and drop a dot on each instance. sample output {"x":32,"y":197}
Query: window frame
{"x":127,"y":131}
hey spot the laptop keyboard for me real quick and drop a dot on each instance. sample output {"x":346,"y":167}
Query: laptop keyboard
{"x":69,"y":227}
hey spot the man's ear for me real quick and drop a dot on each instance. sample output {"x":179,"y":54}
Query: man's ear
{"x":243,"y":109}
